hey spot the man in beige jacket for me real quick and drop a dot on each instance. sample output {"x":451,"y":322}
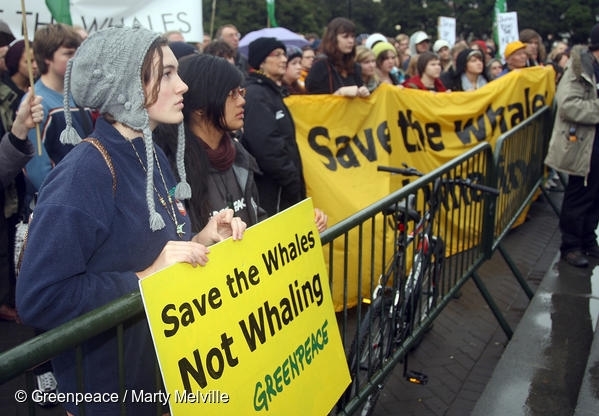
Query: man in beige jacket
{"x":574,"y":150}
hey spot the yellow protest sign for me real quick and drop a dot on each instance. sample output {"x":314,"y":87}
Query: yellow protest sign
{"x":254,"y":331}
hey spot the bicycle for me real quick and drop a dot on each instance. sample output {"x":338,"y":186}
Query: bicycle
{"x":397,"y":309}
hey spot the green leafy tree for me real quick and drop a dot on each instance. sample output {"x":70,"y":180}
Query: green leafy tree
{"x":551,"y":18}
{"x":249,"y":15}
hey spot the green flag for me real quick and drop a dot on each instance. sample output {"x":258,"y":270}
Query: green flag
{"x":61,"y":11}
{"x":500,"y":7}
{"x":270,"y":9}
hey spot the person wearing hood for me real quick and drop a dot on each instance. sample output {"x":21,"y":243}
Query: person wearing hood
{"x":574,"y":150}
{"x":219,"y":170}
{"x":441,"y":48}
{"x":470,"y":72}
{"x":419,"y":43}
{"x":373,"y":39}
{"x":112,"y":211}
{"x":6,"y":37}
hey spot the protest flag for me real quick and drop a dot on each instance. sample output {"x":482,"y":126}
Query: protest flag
{"x":61,"y":11}
{"x":270,"y":9}
{"x":500,"y":7}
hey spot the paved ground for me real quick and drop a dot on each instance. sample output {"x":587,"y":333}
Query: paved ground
{"x":461,"y":351}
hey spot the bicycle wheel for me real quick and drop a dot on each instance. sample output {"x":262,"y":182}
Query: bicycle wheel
{"x":426,"y":273}
{"x":370,"y":349}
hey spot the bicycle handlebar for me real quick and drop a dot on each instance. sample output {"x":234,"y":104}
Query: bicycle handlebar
{"x":406,"y":170}
{"x":411,"y":171}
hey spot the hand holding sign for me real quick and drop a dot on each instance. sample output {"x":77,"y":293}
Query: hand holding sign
{"x":254,"y":330}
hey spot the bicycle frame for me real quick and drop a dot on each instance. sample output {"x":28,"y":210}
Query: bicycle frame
{"x":396,"y":309}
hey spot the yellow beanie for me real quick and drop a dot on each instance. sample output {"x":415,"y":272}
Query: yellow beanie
{"x":381,"y":47}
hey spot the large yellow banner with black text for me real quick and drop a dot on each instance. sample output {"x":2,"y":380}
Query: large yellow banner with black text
{"x":343,"y":140}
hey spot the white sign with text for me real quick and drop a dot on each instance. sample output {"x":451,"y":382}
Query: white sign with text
{"x":507,"y":29}
{"x":157,"y":15}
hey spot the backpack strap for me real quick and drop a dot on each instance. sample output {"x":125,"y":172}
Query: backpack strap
{"x":98,"y":145}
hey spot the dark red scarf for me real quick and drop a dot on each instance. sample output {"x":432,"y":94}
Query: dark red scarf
{"x":223,"y":156}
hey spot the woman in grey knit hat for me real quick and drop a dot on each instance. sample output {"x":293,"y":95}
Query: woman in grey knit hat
{"x":110,"y":213}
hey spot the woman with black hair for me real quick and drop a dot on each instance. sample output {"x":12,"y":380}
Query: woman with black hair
{"x":219,"y":170}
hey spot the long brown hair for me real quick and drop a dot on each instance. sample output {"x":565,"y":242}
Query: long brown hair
{"x":342,"y":62}
{"x":148,"y":65}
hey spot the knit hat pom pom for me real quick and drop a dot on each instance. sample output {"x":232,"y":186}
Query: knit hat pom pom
{"x":183,"y":191}
{"x":69,"y":135}
{"x":156,"y":221}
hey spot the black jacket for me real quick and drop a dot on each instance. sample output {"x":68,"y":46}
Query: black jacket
{"x":269,"y":135}
{"x":323,"y":78}
{"x":244,"y":192}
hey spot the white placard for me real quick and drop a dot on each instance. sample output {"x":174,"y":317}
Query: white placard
{"x":157,"y":15}
{"x":447,"y":29}
{"x":507,"y":29}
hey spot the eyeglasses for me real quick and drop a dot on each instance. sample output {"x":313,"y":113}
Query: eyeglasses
{"x":235,"y":93}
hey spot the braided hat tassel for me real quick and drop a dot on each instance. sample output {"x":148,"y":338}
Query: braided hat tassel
{"x":69,"y":135}
{"x":156,"y":220}
{"x":183,"y":190}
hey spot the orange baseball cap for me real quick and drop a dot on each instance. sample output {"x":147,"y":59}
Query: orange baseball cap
{"x":513,"y":47}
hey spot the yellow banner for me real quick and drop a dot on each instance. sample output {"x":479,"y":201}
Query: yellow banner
{"x":343,"y":140}
{"x":254,"y":331}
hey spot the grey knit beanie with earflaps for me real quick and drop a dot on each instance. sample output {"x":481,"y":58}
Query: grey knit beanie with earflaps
{"x":105,"y":74}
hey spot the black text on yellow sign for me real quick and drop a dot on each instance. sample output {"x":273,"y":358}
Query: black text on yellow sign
{"x":417,"y":135}
{"x":256,"y":325}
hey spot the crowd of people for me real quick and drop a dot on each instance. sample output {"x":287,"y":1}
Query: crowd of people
{"x":416,"y":61}
{"x":186,"y":144}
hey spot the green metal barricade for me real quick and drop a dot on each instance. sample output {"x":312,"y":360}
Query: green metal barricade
{"x":472,"y":226}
